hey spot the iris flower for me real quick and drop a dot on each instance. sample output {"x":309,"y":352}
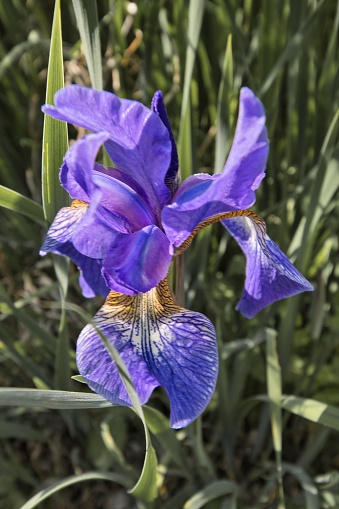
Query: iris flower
{"x":124,"y":227}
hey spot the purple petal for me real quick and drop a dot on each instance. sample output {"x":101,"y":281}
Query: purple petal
{"x":123,"y":205}
{"x":172,"y":177}
{"x":189,"y":207}
{"x":62,"y":228}
{"x":160,"y":343}
{"x":246,"y":162}
{"x":92,"y":237}
{"x":184,"y":358}
{"x":202,"y":195}
{"x":59,"y":241}
{"x":270,"y":275}
{"x":138,"y":142}
{"x":76,"y":171}
{"x":137,"y":262}
{"x":118,"y":319}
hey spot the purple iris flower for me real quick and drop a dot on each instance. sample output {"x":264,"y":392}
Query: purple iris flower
{"x":127,"y":223}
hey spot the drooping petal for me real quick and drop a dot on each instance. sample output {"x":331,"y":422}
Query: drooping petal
{"x":172,"y":175}
{"x":202,"y":195}
{"x":92,"y":237}
{"x":119,"y":320}
{"x":76,"y":174}
{"x":62,"y":228}
{"x":270,"y":275}
{"x":59,"y":241}
{"x":139,"y":142}
{"x":161,"y":344}
{"x":137,"y":262}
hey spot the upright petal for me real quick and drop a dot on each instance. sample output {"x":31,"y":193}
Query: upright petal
{"x":76,"y":174}
{"x":139,"y":142}
{"x":59,"y":241}
{"x":246,"y":162}
{"x":270,"y":275}
{"x":160,"y":343}
{"x":190,"y":206}
{"x":137,"y":262}
{"x":172,"y":175}
{"x":202,"y":195}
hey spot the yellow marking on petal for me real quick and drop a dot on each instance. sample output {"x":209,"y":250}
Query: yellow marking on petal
{"x":78,"y":203}
{"x":158,"y":300}
{"x":141,"y":318}
{"x":257,"y":220}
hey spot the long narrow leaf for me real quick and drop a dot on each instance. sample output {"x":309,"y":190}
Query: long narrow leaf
{"x":87,"y":18}
{"x":69,"y":481}
{"x":36,"y":398}
{"x":54,"y":146}
{"x":18,"y":203}
{"x":195,"y":15}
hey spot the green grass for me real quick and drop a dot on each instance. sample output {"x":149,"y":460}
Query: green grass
{"x":253,"y":447}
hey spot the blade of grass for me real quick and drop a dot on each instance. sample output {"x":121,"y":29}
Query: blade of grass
{"x":291,"y":49}
{"x":36,"y":398}
{"x":146,"y":487}
{"x":87,"y":18}
{"x":222,"y":140}
{"x":214,"y":490}
{"x":273,"y":373}
{"x":18,"y":203}
{"x":195,"y":15}
{"x":69,"y":481}
{"x":313,"y":410}
{"x":54,"y":146}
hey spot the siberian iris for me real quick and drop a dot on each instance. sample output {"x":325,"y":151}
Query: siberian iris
{"x":124,"y":227}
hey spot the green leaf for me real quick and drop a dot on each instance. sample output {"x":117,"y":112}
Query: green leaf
{"x":214,"y":490}
{"x":79,"y":378}
{"x":159,"y":426}
{"x":273,"y":373}
{"x":222,"y":140}
{"x":292,"y":48}
{"x":54,"y":147}
{"x":309,"y":487}
{"x":195,"y":15}
{"x":18,"y":203}
{"x":55,"y":139}
{"x":313,"y":410}
{"x":36,"y":398}
{"x":87,"y":18}
{"x":146,"y":487}
{"x":69,"y":481}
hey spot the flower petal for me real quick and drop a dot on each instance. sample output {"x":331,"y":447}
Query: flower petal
{"x":119,"y":320}
{"x":270,"y":275}
{"x":124,"y":207}
{"x":172,"y":175}
{"x":160,"y":343}
{"x":59,"y":241}
{"x":202,"y":195}
{"x":246,"y":162}
{"x":137,"y":262}
{"x":92,"y":237}
{"x":77,"y":169}
{"x":64,"y":224}
{"x":138,"y":142}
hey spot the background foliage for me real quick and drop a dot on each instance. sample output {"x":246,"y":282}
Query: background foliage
{"x":245,"y":451}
